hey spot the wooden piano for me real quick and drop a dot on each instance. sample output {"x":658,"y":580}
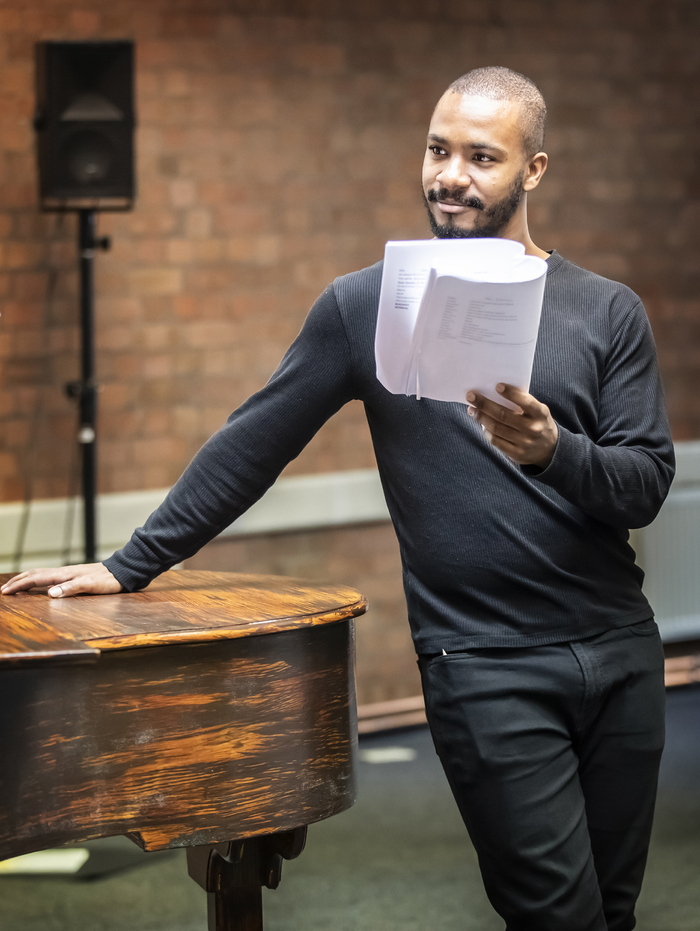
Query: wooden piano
{"x":211,"y":711}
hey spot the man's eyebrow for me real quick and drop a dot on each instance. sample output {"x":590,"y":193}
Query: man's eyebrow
{"x":485,"y":145}
{"x":440,"y":140}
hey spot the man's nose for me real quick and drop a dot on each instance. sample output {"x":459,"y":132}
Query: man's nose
{"x":454,"y":174}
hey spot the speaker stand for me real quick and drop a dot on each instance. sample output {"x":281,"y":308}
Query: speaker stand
{"x":85,"y":390}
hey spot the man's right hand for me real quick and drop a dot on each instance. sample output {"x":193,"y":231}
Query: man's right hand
{"x":89,"y":579}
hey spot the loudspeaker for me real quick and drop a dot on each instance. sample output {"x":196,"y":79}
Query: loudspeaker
{"x":85,"y":125}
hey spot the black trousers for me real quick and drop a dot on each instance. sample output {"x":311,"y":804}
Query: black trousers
{"x":552,"y":754}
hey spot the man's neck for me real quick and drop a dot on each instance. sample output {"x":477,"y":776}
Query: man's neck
{"x":523,"y":236}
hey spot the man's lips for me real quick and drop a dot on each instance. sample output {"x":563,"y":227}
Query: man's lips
{"x":452,"y":208}
{"x":452,"y":205}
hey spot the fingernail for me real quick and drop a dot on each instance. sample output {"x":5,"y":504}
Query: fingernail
{"x":56,"y":591}
{"x":500,"y":388}
{"x":471,"y":411}
{"x":471,"y":396}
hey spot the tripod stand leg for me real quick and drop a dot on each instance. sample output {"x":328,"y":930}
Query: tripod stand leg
{"x":88,"y":388}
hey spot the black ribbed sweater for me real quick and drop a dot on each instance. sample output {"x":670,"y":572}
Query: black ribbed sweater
{"x":493,"y":554}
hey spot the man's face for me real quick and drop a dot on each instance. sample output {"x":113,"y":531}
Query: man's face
{"x":474,"y":167}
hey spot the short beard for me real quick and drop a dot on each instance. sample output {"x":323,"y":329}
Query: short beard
{"x":495,"y":218}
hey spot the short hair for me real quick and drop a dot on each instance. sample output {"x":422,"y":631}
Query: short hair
{"x":500,"y":83}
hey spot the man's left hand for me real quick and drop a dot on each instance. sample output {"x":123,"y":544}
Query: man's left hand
{"x":528,"y":436}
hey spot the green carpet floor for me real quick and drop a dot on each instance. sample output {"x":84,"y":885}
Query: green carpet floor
{"x":398,"y":861}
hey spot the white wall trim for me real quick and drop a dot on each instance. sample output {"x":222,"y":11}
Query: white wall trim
{"x":327,"y":499}
{"x":687,"y":464}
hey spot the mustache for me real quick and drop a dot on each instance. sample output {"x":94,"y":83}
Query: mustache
{"x":442,"y":194}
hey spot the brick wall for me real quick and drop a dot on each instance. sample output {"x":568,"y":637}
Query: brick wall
{"x":276,"y":151}
{"x":279,"y":145}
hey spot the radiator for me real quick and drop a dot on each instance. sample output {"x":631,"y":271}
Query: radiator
{"x":669,"y":552}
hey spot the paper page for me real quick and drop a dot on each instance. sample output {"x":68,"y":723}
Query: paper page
{"x":406,"y":269}
{"x":477,"y":334}
{"x":412,"y":381}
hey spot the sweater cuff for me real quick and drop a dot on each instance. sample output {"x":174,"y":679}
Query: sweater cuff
{"x":129,"y":579}
{"x":561,"y":464}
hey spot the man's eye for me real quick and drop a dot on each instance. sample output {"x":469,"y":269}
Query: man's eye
{"x":480,"y":157}
{"x":437,"y":150}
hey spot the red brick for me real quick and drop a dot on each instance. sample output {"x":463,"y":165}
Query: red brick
{"x":275,"y":152}
{"x":8,"y":465}
{"x":18,"y":195}
{"x":215,"y":192}
{"x":115,"y":338}
{"x":155,"y":450}
{"x":17,"y":315}
{"x":188,"y":25}
{"x":149,"y":84}
{"x":114,"y":397}
{"x":153,"y":53}
{"x":125,"y":311}
{"x":157,"y":366}
{"x":84,"y":23}
{"x":151,"y":221}
{"x":198,"y":223}
{"x":243,"y":219}
{"x":177,"y":83}
{"x":318,"y":59}
{"x":183,"y":192}
{"x":30,"y":285}
{"x":180,"y":251}
{"x":23,"y":254}
{"x":209,"y":250}
{"x":156,"y":281}
{"x":11,"y":20}
{"x":11,"y":489}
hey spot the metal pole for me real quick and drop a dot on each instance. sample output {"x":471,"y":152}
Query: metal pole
{"x":88,"y":388}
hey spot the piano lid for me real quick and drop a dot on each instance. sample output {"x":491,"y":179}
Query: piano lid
{"x":177,"y":607}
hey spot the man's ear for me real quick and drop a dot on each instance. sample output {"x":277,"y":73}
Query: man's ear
{"x":536,"y":167}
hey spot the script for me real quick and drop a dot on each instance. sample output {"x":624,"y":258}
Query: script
{"x":458,"y":315}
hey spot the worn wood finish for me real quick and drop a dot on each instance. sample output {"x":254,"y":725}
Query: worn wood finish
{"x":25,"y":638}
{"x":179,"y":745}
{"x":181,"y":607}
{"x":182,"y":744}
{"x":211,"y":711}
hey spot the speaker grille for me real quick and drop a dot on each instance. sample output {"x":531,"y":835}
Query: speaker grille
{"x":85,"y":124}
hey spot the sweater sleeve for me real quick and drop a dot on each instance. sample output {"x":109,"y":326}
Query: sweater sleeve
{"x":242,"y":460}
{"x":622,"y":475}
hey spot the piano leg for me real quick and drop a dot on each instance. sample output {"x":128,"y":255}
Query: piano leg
{"x":233,"y":874}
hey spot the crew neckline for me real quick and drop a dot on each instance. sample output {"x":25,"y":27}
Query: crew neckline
{"x":555,"y":261}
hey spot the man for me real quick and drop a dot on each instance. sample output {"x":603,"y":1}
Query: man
{"x":542,"y":666}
